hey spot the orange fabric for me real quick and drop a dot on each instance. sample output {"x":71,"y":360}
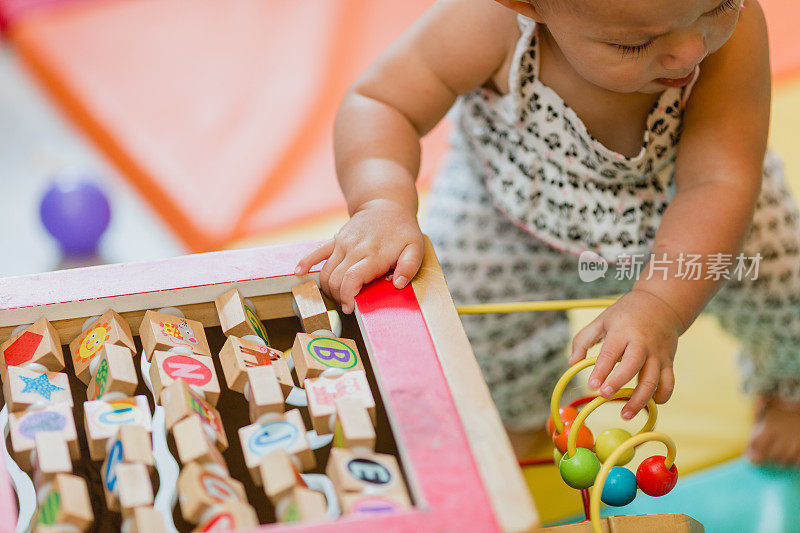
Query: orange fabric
{"x":220,"y":111}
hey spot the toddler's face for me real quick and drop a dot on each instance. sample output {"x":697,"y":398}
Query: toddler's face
{"x":639,"y":45}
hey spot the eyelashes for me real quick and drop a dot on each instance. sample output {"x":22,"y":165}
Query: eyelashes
{"x":727,"y":7}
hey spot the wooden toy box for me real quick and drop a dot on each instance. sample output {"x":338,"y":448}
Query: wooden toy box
{"x":434,"y":410}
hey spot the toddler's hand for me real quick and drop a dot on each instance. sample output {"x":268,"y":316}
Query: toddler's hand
{"x":379,"y":236}
{"x":641,"y":329}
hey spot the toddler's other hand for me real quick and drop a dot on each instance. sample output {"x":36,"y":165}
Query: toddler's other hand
{"x":642,"y":330}
{"x":379,"y":236}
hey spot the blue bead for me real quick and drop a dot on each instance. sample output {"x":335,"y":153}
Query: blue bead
{"x":619,"y":488}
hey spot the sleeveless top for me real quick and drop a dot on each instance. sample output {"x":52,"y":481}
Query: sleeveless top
{"x":547,"y":174}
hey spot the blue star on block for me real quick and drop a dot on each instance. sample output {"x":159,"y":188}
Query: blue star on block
{"x":40,"y":385}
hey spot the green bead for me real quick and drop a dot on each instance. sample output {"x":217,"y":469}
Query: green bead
{"x":580,"y":470}
{"x":608,"y":441}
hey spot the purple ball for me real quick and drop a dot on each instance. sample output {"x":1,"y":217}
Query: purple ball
{"x":76,"y":212}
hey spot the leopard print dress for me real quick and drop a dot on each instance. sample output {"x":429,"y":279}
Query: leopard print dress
{"x":526,"y":189}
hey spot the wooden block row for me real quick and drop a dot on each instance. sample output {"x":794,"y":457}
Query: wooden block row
{"x":39,"y":343}
{"x":109,"y":329}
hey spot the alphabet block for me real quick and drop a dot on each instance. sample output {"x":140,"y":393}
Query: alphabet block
{"x":160,"y":331}
{"x":237,"y":355}
{"x":180,"y":401}
{"x":366,"y":503}
{"x":279,"y":475}
{"x":286,"y":431}
{"x":144,"y":520}
{"x":237,"y":318}
{"x":103,"y":419}
{"x":24,"y":388}
{"x":195,"y":370}
{"x":193,"y":443}
{"x":52,"y":420}
{"x":229,"y":516}
{"x":133,"y":445}
{"x":65,"y":501}
{"x":366,"y":473}
{"x":200,"y":488}
{"x":302,"y":505}
{"x":325,"y":390}
{"x":39,"y":343}
{"x":134,"y":487}
{"x":109,"y":329}
{"x":313,"y":354}
{"x":115,"y":372}
{"x":51,"y":457}
{"x":353,"y":428}
{"x":263,"y":392}
{"x":310,"y":307}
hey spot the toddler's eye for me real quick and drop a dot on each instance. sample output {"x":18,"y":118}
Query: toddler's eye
{"x":633,"y":51}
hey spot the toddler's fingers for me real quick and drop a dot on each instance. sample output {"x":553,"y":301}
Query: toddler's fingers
{"x":327,"y":269}
{"x":648,"y":381}
{"x":632,"y":361}
{"x":665,"y":385}
{"x":585,"y":339}
{"x":407,"y":264}
{"x":613,"y":347}
{"x":356,"y":276}
{"x":321,"y":252}
{"x":337,"y":276}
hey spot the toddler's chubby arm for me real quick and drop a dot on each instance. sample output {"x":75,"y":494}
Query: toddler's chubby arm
{"x":718,"y":178}
{"x":457,"y":46}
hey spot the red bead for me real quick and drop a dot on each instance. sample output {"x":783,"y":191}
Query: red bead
{"x":568,"y":414}
{"x":585,"y":438}
{"x":653,"y":477}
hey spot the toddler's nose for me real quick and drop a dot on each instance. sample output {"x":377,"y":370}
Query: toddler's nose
{"x":687,"y":51}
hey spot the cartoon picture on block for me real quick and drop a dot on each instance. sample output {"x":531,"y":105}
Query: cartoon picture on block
{"x":91,"y":343}
{"x":182,"y":334}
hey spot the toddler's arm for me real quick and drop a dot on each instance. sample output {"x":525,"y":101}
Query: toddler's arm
{"x":718,"y":178}
{"x":457,"y":46}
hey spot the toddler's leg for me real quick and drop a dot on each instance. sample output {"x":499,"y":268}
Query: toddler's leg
{"x":764,"y":313}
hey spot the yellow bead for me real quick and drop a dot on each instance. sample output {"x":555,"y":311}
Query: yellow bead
{"x":608,"y":441}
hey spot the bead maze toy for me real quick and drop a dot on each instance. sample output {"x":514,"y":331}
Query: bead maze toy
{"x":220,"y":391}
{"x":585,"y":462}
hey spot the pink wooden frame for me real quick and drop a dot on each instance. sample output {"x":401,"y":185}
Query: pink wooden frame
{"x":436,"y":456}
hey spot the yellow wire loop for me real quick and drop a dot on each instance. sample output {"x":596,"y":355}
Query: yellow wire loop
{"x":561,"y":385}
{"x":572,"y":438}
{"x":549,"y":305}
{"x":597,"y":491}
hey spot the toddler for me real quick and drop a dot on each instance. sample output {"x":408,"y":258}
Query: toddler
{"x":629,"y":133}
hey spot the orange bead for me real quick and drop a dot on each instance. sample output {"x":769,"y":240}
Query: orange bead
{"x":585,"y":438}
{"x":568,"y":414}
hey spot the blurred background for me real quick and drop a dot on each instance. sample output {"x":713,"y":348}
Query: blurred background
{"x":140,"y":129}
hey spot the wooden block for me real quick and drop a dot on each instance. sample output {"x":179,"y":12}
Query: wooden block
{"x":180,"y":401}
{"x":133,"y":445}
{"x":65,"y":501}
{"x":230,"y":516}
{"x":144,"y":520}
{"x":103,"y":419}
{"x":286,"y":431}
{"x":195,"y":370}
{"x":109,"y":329}
{"x":303,"y":505}
{"x":237,"y":318}
{"x":325,"y":390}
{"x":116,"y":372}
{"x":53,"y":420}
{"x":365,"y":503}
{"x":237,"y":355}
{"x":263,"y":392}
{"x":39,"y":343}
{"x":25,"y":387}
{"x":194,"y":445}
{"x":160,"y":331}
{"x":134,"y":487}
{"x":279,"y":475}
{"x":200,"y":488}
{"x":353,"y":428}
{"x":361,"y":472}
{"x":310,"y":307}
{"x":313,"y":354}
{"x":660,"y":523}
{"x":51,"y":458}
